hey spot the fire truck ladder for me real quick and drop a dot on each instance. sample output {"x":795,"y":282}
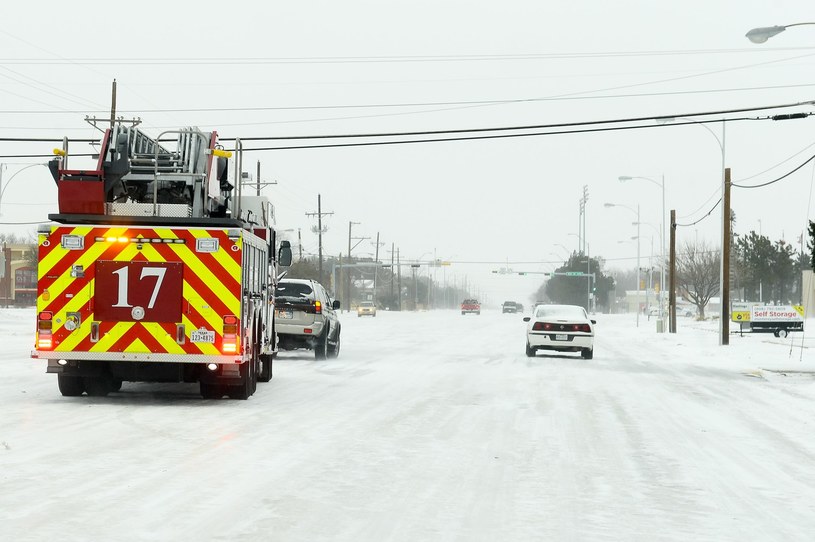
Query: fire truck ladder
{"x":172,"y":178}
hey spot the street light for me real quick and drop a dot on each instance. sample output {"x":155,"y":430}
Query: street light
{"x":723,"y":310}
{"x":763,"y":33}
{"x":637,"y":212}
{"x":661,"y":184}
{"x":3,"y":166}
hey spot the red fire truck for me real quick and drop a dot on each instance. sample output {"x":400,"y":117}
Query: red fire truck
{"x":157,"y":269}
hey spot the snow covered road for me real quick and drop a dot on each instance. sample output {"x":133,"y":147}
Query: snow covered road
{"x":429,"y":426}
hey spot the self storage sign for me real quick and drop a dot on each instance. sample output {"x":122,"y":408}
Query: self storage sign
{"x":777,"y":313}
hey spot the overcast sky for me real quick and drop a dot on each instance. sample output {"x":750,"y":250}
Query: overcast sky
{"x":356,"y":67}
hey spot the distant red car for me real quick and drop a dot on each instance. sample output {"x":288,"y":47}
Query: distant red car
{"x":470,"y":305}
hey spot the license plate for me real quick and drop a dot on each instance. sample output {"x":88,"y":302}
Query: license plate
{"x":202,"y":336}
{"x":561,"y":337}
{"x":285,"y":314}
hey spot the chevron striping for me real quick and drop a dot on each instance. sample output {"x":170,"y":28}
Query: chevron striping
{"x":109,"y":338}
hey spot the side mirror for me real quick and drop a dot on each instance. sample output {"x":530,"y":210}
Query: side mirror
{"x":527,"y":318}
{"x":593,"y":321}
{"x":336,"y":304}
{"x":284,"y":254}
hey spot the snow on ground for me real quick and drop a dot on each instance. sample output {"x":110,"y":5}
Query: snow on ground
{"x":429,"y":426}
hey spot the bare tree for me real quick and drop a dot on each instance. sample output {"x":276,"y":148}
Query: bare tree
{"x":697,"y":273}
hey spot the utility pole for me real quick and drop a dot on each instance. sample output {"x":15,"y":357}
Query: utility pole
{"x":348,"y":275}
{"x":413,"y":267}
{"x":113,"y":104}
{"x":393,"y":253}
{"x":672,"y":279}
{"x":259,"y":184}
{"x":725,"y":274}
{"x":582,"y":219}
{"x":319,"y":230}
{"x":376,"y":267}
{"x":399,"y":275}
{"x":300,"y":244}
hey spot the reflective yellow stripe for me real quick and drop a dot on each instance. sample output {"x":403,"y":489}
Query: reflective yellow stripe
{"x":109,"y":339}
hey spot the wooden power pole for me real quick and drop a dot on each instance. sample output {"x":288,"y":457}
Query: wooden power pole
{"x":672,"y":277}
{"x":725,"y":278}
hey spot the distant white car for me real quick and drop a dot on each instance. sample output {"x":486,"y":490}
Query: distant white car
{"x":563,"y":328}
{"x":366,"y":308}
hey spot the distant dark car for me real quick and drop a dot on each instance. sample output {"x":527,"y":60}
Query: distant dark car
{"x":509,"y":306}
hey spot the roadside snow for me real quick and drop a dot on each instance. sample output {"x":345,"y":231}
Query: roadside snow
{"x":430,"y":426}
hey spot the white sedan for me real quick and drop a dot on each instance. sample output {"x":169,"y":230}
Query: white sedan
{"x":563,"y":328}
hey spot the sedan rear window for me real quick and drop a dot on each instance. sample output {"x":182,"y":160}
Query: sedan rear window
{"x":560,"y":311}
{"x":293,"y":290}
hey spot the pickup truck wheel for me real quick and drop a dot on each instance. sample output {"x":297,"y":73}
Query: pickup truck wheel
{"x":334,"y":350}
{"x":70,"y":386}
{"x":321,"y":347}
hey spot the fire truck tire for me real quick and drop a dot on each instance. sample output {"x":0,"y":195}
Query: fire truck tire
{"x":115,"y":384}
{"x":211,"y":391}
{"x":98,"y":386}
{"x":249,"y":376}
{"x":321,"y":347}
{"x":70,"y":386}
{"x":265,"y":373}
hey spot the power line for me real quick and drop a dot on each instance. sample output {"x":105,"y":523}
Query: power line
{"x":386,"y":59}
{"x":776,"y":179}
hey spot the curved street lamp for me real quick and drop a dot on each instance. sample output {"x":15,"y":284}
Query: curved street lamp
{"x":3,"y":190}
{"x":763,"y":33}
{"x":724,"y":313}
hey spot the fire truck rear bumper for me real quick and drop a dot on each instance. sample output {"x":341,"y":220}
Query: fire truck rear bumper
{"x":121,"y":356}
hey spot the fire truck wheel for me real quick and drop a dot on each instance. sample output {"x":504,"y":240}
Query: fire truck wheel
{"x":265,"y":373}
{"x":321,"y":347}
{"x":249,"y":383}
{"x":211,"y":391}
{"x":98,"y":386}
{"x":70,"y":386}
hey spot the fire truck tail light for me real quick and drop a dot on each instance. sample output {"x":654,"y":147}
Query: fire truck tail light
{"x":45,"y":323}
{"x":230,"y":342}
